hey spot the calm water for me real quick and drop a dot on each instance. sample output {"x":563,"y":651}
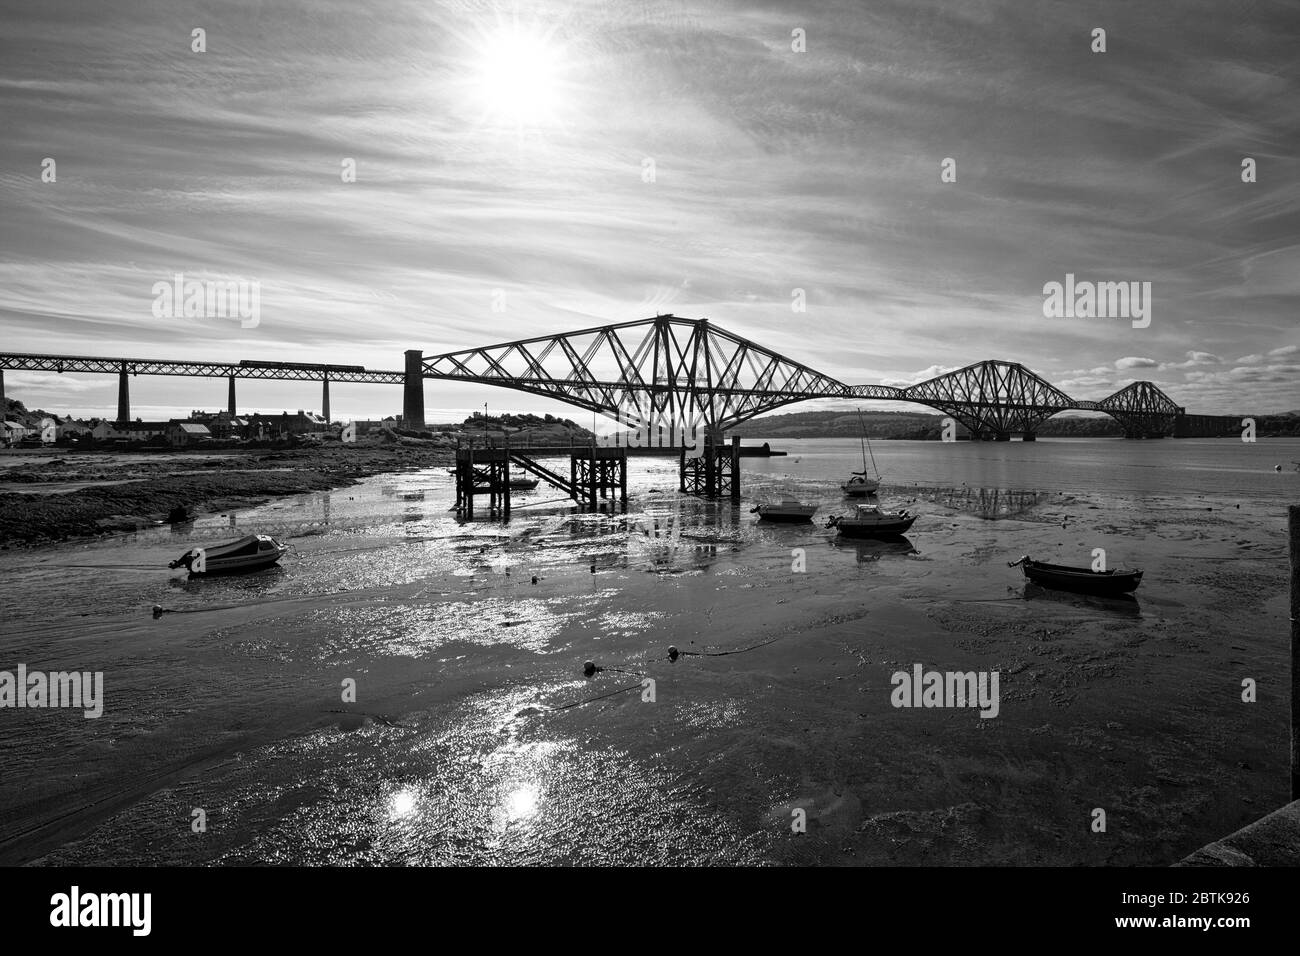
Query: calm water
{"x":1074,"y":466}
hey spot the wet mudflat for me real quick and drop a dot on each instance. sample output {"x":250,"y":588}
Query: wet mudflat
{"x":475,"y":738}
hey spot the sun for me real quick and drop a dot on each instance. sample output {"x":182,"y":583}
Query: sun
{"x":519,"y":76}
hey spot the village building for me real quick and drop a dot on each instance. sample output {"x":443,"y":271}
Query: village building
{"x":72,"y":428}
{"x":181,"y":434}
{"x":14,"y":432}
{"x":221,"y":424}
{"x":271,"y":427}
{"x":128,"y":431}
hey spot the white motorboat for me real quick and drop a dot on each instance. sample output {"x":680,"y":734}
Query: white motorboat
{"x":250,"y":553}
{"x":787,"y":510}
{"x":868,"y":521}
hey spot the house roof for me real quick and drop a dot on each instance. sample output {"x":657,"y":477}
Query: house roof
{"x":135,"y":426}
{"x":193,"y":428}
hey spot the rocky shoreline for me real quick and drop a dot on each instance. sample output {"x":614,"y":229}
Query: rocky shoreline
{"x":125,"y":493}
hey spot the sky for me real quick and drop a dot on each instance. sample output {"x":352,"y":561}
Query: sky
{"x":525,"y":170}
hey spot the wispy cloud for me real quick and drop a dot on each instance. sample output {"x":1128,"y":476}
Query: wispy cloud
{"x":773,"y":171}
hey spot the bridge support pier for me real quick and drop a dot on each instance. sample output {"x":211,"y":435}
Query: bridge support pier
{"x":4,"y":406}
{"x":123,"y":396}
{"x":735,"y":469}
{"x":710,"y":468}
{"x":230,"y":398}
{"x":715,"y":474}
{"x":1029,"y":436}
{"x":325,"y":398}
{"x":413,"y":391}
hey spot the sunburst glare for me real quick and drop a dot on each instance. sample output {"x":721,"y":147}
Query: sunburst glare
{"x":519,"y":76}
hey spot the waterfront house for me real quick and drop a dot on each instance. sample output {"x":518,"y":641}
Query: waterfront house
{"x":221,"y":424}
{"x":284,"y":425}
{"x":71,"y":428}
{"x":128,"y":431}
{"x":14,"y":432}
{"x":181,"y":433}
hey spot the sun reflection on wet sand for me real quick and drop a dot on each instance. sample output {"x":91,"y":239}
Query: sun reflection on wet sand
{"x":521,"y":803}
{"x":401,"y":804}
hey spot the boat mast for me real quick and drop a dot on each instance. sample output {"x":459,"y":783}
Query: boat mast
{"x":862,"y":435}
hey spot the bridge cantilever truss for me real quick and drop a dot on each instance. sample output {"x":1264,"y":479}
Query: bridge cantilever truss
{"x":665,"y":370}
{"x":1142,"y":409}
{"x":992,"y":398}
{"x":687,"y":372}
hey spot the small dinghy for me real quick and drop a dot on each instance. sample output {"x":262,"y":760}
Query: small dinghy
{"x":249,"y":553}
{"x":523,"y":484}
{"x":868,"y":521}
{"x":787,"y":510}
{"x":1066,"y":578}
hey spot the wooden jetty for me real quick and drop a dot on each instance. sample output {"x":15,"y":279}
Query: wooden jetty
{"x":595,"y":471}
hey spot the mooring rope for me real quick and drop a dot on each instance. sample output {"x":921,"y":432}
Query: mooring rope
{"x":674,"y":653}
{"x":592,"y":700}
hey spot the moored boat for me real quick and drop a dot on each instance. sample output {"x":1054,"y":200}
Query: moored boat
{"x":860,"y":486}
{"x":523,"y":484}
{"x":1068,"y":578}
{"x":868,"y":521}
{"x":787,"y":510}
{"x":250,"y":553}
{"x":860,"y":483}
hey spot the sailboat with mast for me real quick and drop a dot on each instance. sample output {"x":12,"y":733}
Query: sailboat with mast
{"x":861,"y":484}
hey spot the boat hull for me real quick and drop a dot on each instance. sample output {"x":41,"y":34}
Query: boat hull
{"x":849,"y":528}
{"x":220,"y":566}
{"x":784,"y":517}
{"x":251,"y":553}
{"x":1082,"y":580}
{"x":860,"y":490}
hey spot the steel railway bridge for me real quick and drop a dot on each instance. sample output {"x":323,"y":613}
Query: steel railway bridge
{"x":684,"y":374}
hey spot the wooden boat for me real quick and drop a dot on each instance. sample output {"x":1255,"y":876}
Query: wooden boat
{"x":1067,"y":578}
{"x":860,"y":484}
{"x":868,"y":521}
{"x":787,"y":510}
{"x":250,"y":553}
